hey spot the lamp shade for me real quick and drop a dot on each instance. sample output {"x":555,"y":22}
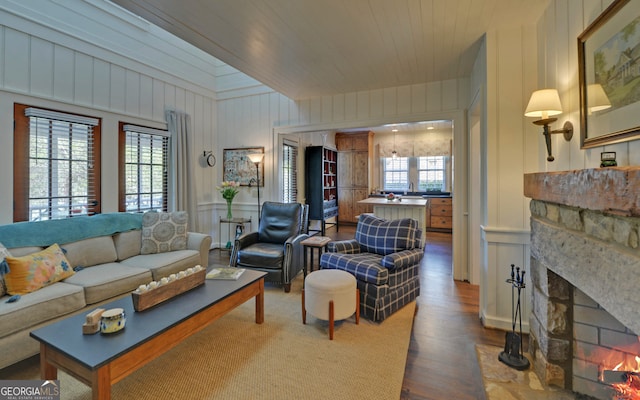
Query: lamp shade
{"x":255,"y":157}
{"x":597,"y":99}
{"x":544,"y":103}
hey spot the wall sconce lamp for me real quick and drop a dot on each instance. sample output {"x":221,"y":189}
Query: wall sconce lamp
{"x":544,"y":104}
{"x":597,"y":99}
{"x":256,"y":158}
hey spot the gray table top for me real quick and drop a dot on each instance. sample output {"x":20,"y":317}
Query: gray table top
{"x":94,"y":351}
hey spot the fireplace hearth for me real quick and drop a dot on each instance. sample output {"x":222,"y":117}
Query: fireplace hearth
{"x":585,"y":274}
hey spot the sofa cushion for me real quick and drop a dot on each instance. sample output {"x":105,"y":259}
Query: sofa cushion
{"x":365,"y":266}
{"x":40,"y":306}
{"x":37,"y":270}
{"x":105,"y":281}
{"x":23,"y":251}
{"x":128,"y":244}
{"x":163,"y":232}
{"x":262,"y":255}
{"x":279,"y":222}
{"x":347,"y":246}
{"x":165,"y":264}
{"x":402,"y":258}
{"x":4,"y":268}
{"x":380,"y":236}
{"x":89,"y":252}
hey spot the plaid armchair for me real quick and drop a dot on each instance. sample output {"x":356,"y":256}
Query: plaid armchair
{"x":385,"y":259}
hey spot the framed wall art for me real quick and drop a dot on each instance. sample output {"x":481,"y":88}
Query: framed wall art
{"x":609,"y":74}
{"x":237,"y":166}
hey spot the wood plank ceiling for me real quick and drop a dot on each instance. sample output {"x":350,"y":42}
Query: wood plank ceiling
{"x":310,"y":48}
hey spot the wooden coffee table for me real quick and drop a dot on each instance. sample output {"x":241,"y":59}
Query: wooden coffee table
{"x":101,"y":360}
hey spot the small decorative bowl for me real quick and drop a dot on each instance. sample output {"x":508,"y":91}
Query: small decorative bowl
{"x":112,"y":320}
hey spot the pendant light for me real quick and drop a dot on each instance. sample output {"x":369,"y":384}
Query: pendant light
{"x":394,"y":153}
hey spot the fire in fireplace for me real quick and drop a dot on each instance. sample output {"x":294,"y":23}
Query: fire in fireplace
{"x":625,"y":383}
{"x":621,"y":370}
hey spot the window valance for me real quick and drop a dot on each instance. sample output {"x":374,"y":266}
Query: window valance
{"x":428,"y":144}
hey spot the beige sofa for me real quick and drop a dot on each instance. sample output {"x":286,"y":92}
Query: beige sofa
{"x":107,"y":266}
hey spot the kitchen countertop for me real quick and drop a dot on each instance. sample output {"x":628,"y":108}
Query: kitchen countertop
{"x":381,"y":201}
{"x":414,"y":196}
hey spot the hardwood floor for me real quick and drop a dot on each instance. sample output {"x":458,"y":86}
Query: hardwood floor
{"x":441,"y":363}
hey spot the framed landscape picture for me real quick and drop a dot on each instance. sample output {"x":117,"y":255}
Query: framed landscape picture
{"x":609,"y":74}
{"x":237,"y":166}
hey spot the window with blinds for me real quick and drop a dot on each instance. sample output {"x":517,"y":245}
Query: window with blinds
{"x":431,"y":173}
{"x":396,"y":173}
{"x":56,"y":164}
{"x":289,"y":172}
{"x":144,"y":158}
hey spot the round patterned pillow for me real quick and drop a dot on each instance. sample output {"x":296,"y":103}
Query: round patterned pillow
{"x":163,"y":232}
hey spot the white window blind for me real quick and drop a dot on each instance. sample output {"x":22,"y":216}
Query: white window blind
{"x":396,"y":173}
{"x":289,"y":172}
{"x":62,"y":182}
{"x":431,"y":173}
{"x":146,"y":155}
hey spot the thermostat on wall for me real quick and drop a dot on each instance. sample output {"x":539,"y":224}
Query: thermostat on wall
{"x":608,"y":159}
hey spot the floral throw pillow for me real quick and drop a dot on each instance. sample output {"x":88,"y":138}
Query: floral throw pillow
{"x":37,"y":270}
{"x":4,"y":268}
{"x":164,"y":231}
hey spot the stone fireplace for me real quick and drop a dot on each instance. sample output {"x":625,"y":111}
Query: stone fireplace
{"x":585,"y":274}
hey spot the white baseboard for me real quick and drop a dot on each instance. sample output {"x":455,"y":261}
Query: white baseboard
{"x":490,"y":321}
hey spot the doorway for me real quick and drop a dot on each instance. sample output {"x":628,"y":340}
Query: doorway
{"x":459,"y":266}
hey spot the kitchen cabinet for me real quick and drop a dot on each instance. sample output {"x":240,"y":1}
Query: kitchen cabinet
{"x":354,"y":141}
{"x":355,"y":150}
{"x":440,"y":213}
{"x":345,"y":205}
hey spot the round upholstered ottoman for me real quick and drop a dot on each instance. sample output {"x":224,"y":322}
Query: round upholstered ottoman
{"x":330,"y":295}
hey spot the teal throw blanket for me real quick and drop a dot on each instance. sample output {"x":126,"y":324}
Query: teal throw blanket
{"x":61,"y":231}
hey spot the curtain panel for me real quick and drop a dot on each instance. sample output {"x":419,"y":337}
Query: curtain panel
{"x":181,"y":186}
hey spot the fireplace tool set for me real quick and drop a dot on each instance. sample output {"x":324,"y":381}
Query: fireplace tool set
{"x":513,"y":348}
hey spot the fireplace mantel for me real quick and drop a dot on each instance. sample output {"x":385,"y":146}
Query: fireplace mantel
{"x":585,"y":245}
{"x":585,"y":228}
{"x":611,"y":190}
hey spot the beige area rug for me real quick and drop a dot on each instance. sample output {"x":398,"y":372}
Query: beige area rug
{"x":502,"y":382}
{"x":235,"y":358}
